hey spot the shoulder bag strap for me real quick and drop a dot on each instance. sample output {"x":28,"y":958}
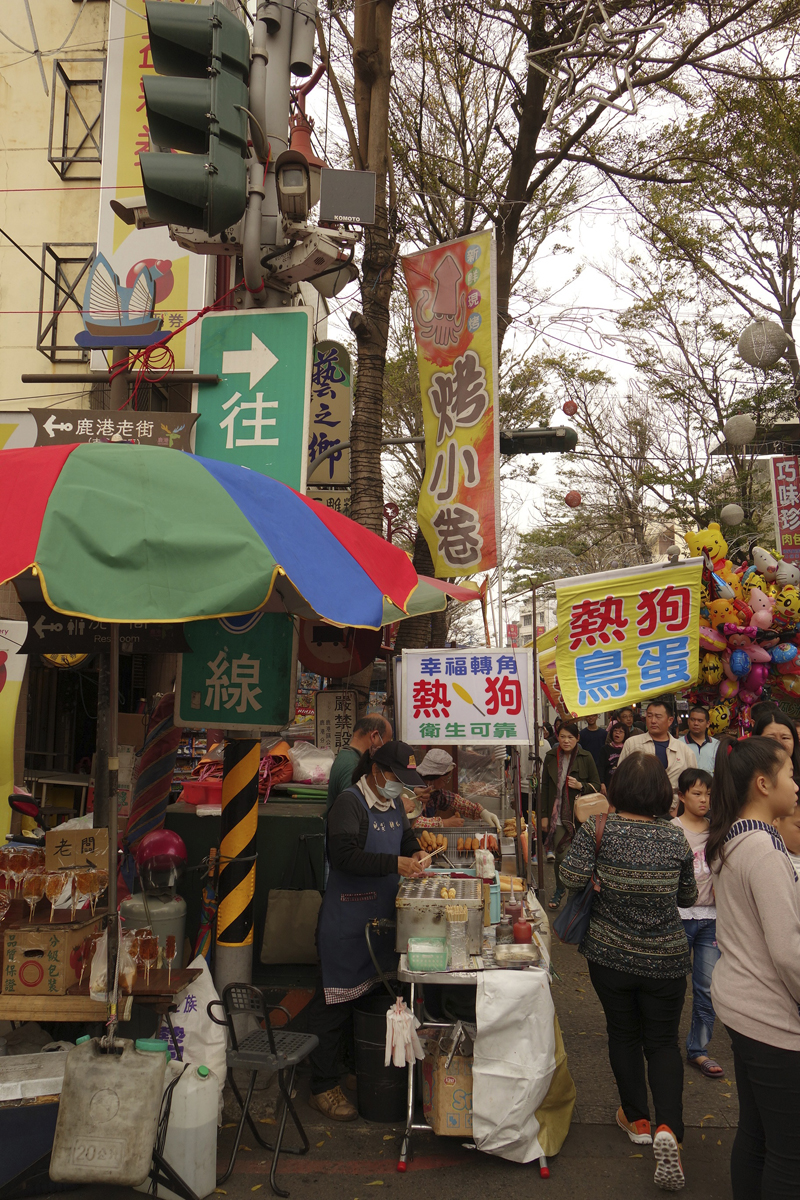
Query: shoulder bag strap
{"x":599,"y":830}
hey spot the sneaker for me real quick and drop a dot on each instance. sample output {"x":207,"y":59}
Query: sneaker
{"x":637,"y":1131}
{"x":669,"y":1172}
{"x":333,"y":1104}
{"x":551,"y":856}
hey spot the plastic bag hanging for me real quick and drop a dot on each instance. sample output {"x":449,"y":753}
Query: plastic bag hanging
{"x":402,"y":1043}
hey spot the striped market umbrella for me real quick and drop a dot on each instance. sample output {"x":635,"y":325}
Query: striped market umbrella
{"x":142,"y":533}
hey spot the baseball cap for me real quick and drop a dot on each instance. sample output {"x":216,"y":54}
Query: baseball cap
{"x":436,"y":763}
{"x":398,"y":757}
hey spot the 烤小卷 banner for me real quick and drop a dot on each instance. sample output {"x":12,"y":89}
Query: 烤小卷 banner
{"x":452,"y":294}
{"x":628,"y":635}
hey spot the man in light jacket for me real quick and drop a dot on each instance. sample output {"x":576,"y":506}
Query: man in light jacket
{"x":698,"y":739}
{"x":674,"y":755}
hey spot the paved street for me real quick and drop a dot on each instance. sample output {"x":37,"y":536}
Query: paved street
{"x":347,"y":1161}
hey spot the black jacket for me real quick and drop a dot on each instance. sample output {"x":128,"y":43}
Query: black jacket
{"x":348,"y":826}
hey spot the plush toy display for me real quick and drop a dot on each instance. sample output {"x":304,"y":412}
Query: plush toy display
{"x":749,"y":630}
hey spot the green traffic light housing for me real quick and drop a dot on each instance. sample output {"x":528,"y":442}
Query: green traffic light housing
{"x":197,"y":108}
{"x":553,"y":439}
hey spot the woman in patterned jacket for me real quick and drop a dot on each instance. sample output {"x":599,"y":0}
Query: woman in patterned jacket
{"x":637,"y":949}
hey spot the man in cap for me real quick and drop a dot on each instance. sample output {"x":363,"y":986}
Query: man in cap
{"x":440,"y":806}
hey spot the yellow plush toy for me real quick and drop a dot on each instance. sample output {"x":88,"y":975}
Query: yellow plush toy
{"x":711,"y":668}
{"x":709,"y":541}
{"x":787,"y":606}
{"x":719,"y":718}
{"x":722,"y":611}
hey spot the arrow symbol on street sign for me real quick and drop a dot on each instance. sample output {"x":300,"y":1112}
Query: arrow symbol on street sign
{"x":254,"y":362}
{"x":51,"y":426}
{"x":40,"y":627}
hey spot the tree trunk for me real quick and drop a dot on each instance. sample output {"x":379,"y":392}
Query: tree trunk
{"x":415,"y":632}
{"x":372,"y":82}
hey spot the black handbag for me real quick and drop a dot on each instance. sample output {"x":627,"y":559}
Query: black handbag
{"x":572,"y":923}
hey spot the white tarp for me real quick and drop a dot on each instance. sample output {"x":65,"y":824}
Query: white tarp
{"x":514,"y":1061}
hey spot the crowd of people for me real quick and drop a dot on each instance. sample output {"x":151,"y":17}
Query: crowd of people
{"x":698,"y":866}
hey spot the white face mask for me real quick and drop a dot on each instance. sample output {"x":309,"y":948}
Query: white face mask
{"x":392,"y":789}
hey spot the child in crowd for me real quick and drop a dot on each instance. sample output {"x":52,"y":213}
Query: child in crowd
{"x":756,"y":985}
{"x":699,"y":921}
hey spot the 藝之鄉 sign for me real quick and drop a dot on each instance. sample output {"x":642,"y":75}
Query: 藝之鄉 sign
{"x":627,"y":635}
{"x":452,"y":293}
{"x":465,"y":697}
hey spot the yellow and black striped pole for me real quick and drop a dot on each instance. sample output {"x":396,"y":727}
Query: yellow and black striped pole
{"x":237,"y":875}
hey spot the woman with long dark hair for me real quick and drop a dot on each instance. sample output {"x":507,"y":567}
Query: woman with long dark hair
{"x":755,"y":987}
{"x":568,"y":771}
{"x":637,"y":950}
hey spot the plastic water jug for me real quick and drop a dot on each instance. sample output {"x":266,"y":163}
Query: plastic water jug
{"x":108,"y":1115}
{"x":191,"y":1144}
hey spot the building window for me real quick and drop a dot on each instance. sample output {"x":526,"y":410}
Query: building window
{"x":62,"y":283}
{"x":76,"y":118}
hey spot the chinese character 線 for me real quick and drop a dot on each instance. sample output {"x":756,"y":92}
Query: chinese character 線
{"x":669,"y":606}
{"x":233,"y":684}
{"x":601,"y":676}
{"x":591,"y":620}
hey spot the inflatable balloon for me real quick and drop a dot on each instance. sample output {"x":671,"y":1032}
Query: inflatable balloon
{"x":740,"y":663}
{"x":762,"y":607}
{"x":784,"y":652}
{"x":711,"y":668}
{"x":713,"y":641}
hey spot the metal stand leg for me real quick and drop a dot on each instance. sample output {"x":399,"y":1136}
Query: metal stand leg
{"x":168,"y":1019}
{"x":405,"y":1148}
{"x":238,"y":1138}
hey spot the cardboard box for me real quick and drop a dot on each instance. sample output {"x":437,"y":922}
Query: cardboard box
{"x":68,"y":848}
{"x":42,"y":959}
{"x":447,"y":1094}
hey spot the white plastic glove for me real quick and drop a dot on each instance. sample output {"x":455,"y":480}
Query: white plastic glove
{"x":490,"y":818}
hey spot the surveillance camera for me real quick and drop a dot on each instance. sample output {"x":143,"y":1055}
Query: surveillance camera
{"x":134,"y":212}
{"x":293,"y":182}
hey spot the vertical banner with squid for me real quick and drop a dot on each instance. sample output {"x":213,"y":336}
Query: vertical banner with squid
{"x":12,"y":669}
{"x":452,"y":293}
{"x":179,"y":275}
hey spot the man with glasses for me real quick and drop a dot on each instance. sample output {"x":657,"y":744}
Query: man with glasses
{"x":370,"y":733}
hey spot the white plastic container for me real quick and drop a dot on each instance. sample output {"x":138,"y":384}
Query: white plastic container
{"x":191,"y":1144}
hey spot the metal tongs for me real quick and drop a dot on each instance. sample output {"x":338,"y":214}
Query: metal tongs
{"x":460,"y":1034}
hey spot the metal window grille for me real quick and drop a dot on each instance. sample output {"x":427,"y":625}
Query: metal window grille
{"x":61,"y":298}
{"x":76,"y":118}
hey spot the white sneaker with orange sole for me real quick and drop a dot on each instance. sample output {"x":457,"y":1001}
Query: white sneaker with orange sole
{"x":669,"y":1170}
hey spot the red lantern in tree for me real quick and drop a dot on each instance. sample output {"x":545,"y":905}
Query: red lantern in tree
{"x":573,"y":499}
{"x":569,"y":407}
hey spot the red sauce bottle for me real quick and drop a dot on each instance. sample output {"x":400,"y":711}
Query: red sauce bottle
{"x":522,"y":931}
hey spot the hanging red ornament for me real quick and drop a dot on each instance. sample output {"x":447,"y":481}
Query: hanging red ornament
{"x":573,"y":499}
{"x":569,"y":407}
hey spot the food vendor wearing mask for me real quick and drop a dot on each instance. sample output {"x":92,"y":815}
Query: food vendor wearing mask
{"x":370,"y":844}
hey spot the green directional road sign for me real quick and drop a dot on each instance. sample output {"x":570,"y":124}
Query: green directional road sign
{"x":257,"y":416}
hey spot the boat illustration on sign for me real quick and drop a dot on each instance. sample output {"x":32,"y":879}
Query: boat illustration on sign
{"x":114,"y":315}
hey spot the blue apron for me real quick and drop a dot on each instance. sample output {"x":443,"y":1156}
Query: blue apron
{"x":352,"y":900}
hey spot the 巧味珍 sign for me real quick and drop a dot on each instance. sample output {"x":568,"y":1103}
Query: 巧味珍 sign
{"x":627,"y":635}
{"x":785,"y":477}
{"x":241,"y":673}
{"x":452,"y":293}
{"x":464,"y":697}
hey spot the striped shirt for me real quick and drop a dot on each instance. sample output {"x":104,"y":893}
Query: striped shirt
{"x":646,"y":870}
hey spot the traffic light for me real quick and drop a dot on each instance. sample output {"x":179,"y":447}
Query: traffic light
{"x":553,"y":439}
{"x":197,"y":108}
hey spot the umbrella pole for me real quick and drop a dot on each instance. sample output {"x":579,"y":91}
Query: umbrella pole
{"x":113,"y":811}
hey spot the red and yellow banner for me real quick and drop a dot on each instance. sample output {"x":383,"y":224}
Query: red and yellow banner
{"x":452,"y":294}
